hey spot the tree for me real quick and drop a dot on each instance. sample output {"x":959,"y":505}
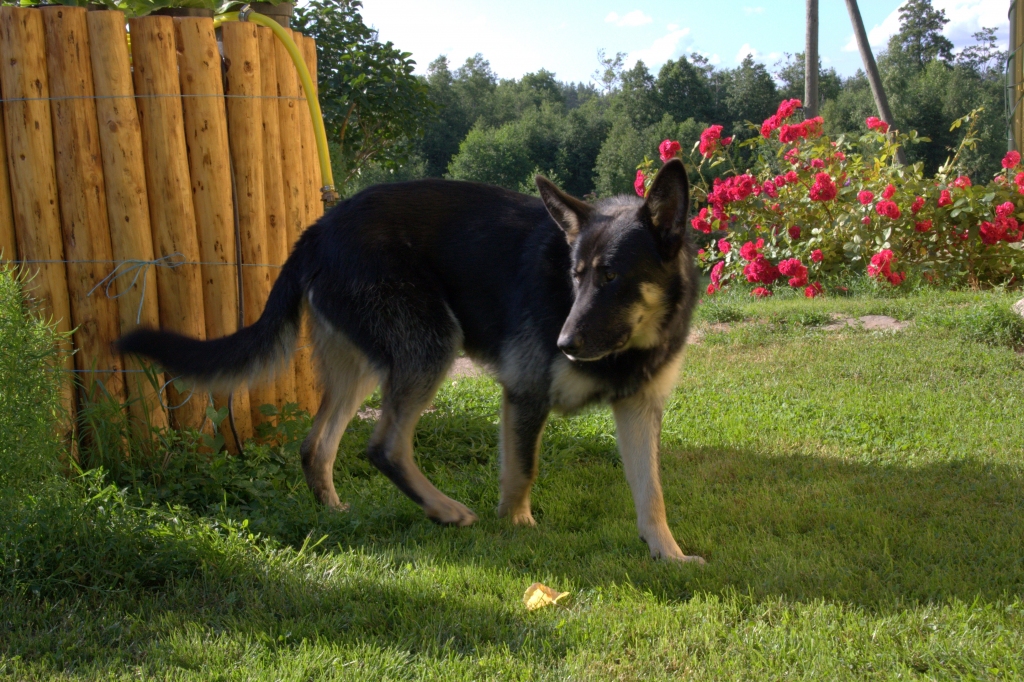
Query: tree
{"x":372,"y":103}
{"x":637,"y":98}
{"x":684,"y":91}
{"x":920,"y":38}
{"x":447,"y":127}
{"x":750,"y":95}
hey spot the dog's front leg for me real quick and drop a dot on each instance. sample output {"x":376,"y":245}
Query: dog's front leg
{"x":522,"y":422}
{"x":638,"y":432}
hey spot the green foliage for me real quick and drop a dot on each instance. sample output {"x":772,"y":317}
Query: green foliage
{"x":851,"y":533}
{"x":372,"y":103}
{"x":31,"y":382}
{"x":993,"y":323}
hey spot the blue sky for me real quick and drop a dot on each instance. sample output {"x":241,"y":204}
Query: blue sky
{"x":564,"y":35}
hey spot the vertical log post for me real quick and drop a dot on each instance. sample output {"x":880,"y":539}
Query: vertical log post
{"x":273,"y":185}
{"x":8,"y":238}
{"x":30,"y":160}
{"x":83,"y":201}
{"x":206,"y":135}
{"x":245,"y":123}
{"x":172,"y":216}
{"x":290,"y":111}
{"x":308,"y":393}
{"x":124,"y":175}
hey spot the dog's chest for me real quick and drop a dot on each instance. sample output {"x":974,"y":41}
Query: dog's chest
{"x":571,"y":389}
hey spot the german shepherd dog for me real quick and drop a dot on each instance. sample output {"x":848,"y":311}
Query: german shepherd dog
{"x":568,"y":303}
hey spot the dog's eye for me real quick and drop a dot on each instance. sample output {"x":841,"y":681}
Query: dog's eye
{"x":609,"y":276}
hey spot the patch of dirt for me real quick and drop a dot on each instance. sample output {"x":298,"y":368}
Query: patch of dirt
{"x":464,"y":367}
{"x":867,"y":322}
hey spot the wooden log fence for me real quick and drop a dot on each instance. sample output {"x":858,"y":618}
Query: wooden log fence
{"x":154,"y":176}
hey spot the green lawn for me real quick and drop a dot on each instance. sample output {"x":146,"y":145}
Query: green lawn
{"x":859,"y":497}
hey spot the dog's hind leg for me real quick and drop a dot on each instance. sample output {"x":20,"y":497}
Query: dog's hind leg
{"x":522,"y":423}
{"x":404,"y":399}
{"x":347,"y":379}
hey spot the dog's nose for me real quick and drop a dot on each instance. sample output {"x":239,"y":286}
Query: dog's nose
{"x":570,"y":344}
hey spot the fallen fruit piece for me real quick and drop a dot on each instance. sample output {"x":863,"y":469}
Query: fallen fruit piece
{"x":538,"y":596}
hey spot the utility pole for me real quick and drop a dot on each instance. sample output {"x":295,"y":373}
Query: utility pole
{"x":881,"y":102}
{"x":811,"y":61}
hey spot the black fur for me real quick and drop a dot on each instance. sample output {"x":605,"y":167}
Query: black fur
{"x":407,"y":273}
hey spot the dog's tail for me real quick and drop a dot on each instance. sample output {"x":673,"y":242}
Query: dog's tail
{"x":231,"y":360}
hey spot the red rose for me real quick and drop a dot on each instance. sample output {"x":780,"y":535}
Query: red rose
{"x":1004,"y":209}
{"x":889,"y":209}
{"x":888,"y":191}
{"x":917,"y":205}
{"x":923,"y":226}
{"x":1011,"y":160}
{"x":709,"y":140}
{"x":881,"y":263}
{"x":716,"y":273}
{"x":945,"y":198}
{"x":792,"y":177}
{"x":794,"y":232}
{"x":795,"y":270}
{"x":816,"y":255}
{"x":638,"y":184}
{"x":761,"y":292}
{"x":793,"y":156}
{"x":788,"y":107}
{"x":668,"y":150}
{"x":817,"y":163}
{"x":962,"y":182}
{"x":865,"y":197}
{"x":769,"y":188}
{"x":750,"y":251}
{"x":724,"y":246}
{"x":875,"y":123}
{"x":814,"y":127}
{"x":700,"y":223}
{"x":813,"y":290}
{"x":770,"y":125}
{"x":824,"y":189}
{"x":991,"y":233}
{"x":761,"y":270}
{"x":712,"y":288}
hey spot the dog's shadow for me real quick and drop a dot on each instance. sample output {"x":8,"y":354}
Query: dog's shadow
{"x":800,"y":526}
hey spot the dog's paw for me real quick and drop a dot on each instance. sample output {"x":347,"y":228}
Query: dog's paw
{"x":670,"y":551}
{"x":448,"y":512}
{"x":520,"y":516}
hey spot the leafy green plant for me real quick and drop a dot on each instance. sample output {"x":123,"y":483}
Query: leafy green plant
{"x":812,"y":207}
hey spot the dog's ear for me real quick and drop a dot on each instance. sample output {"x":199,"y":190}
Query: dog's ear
{"x":666,"y":207}
{"x":570,"y":213}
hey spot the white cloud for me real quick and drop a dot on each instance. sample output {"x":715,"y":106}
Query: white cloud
{"x":634,"y":18}
{"x":753,"y":10}
{"x":673,"y":27}
{"x":769,"y":58}
{"x":966,"y":17}
{"x":662,"y":49}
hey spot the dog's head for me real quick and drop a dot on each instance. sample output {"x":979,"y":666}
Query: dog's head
{"x":625,"y":264}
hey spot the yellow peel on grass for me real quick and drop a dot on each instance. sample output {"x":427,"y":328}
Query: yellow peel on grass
{"x":538,"y":596}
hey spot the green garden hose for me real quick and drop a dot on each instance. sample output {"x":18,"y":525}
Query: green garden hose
{"x":328,"y":194}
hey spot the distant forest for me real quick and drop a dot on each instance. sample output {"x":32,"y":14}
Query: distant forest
{"x":464,"y":122}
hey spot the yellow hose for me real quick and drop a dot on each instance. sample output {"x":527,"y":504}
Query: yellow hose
{"x":328,"y":194}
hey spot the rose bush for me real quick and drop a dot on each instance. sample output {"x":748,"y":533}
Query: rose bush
{"x":812,"y":207}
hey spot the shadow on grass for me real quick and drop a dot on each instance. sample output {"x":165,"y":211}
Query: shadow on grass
{"x":800,"y":527}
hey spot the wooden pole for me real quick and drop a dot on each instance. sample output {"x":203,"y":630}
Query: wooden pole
{"x":33,"y":177}
{"x":206,"y":134}
{"x":1017,"y":73}
{"x":83,"y":201}
{"x":314,"y":207}
{"x":273,"y":185}
{"x":131,"y":238}
{"x":245,"y":122}
{"x":172,"y":216}
{"x":871,"y":68}
{"x":811,"y":61}
{"x":293,"y":172}
{"x":8,"y":238}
